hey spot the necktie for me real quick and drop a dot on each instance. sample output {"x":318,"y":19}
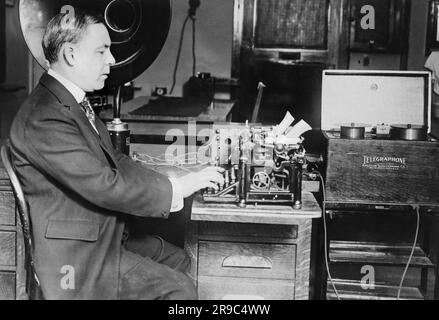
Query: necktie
{"x":89,"y":113}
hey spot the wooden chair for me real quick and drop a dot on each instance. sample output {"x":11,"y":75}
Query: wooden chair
{"x":33,"y":288}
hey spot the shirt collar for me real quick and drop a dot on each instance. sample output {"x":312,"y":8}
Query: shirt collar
{"x":76,"y":91}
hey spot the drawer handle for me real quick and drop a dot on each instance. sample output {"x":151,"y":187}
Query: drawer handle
{"x":256,"y":262}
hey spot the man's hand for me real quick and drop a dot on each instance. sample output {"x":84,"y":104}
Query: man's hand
{"x":209,"y":177}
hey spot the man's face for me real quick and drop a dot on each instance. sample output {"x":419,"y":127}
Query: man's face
{"x":93,"y":58}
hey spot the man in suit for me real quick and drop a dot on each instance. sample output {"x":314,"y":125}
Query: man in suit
{"x":80,"y":190}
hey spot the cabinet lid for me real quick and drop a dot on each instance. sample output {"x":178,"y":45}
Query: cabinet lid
{"x":375,"y":97}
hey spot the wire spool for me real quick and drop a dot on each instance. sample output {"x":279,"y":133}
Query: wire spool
{"x":353,"y":131}
{"x":408,"y":132}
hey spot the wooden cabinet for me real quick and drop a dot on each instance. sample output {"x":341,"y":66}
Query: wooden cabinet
{"x":261,"y":252}
{"x":12,"y":282}
{"x":246,"y":259}
{"x":369,"y":251}
{"x":249,"y":270}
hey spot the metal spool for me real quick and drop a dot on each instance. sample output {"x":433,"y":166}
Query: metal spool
{"x":408,"y":132}
{"x":353,"y":131}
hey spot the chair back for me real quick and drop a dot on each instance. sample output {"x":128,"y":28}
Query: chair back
{"x":33,"y":288}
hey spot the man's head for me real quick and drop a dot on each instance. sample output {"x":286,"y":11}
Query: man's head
{"x":78,"y":46}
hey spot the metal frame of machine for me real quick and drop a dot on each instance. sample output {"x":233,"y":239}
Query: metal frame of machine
{"x":262,"y":164}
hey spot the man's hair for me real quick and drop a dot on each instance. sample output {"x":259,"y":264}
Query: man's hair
{"x":64,"y":28}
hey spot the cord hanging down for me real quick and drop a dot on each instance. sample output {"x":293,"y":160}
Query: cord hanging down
{"x":193,"y":6}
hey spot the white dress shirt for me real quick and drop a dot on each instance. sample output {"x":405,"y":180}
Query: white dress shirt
{"x":79,"y":95}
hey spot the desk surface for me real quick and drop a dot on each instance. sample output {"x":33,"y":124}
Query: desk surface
{"x":263,"y":214}
{"x":219,"y":112}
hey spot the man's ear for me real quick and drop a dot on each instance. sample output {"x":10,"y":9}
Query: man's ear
{"x":68,"y":53}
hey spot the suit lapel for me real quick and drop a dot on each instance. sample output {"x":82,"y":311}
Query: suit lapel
{"x":103,"y":133}
{"x":102,"y":140}
{"x":66,"y":98}
{"x":105,"y":140}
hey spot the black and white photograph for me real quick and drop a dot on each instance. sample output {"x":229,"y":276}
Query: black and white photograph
{"x":231,"y":154}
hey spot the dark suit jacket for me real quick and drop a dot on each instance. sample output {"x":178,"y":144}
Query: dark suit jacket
{"x":79,"y":190}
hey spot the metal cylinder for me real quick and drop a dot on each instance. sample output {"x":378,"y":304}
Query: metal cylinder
{"x":408,"y":132}
{"x":117,"y":101}
{"x":353,"y":132}
{"x":233,"y":173}
{"x":298,"y":187}
{"x":120,"y":135}
{"x":242,"y":191}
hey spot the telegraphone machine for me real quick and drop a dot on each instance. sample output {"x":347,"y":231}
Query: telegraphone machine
{"x":380,"y":153}
{"x":263,"y":164}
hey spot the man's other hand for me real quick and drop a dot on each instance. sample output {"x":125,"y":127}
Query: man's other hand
{"x":209,"y":177}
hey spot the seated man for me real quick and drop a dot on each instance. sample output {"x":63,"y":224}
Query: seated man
{"x":80,"y":190}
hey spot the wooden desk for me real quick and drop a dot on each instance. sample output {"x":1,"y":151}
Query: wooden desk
{"x":148,"y":132}
{"x":257,"y":252}
{"x":220,"y":111}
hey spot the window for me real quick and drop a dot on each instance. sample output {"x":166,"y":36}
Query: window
{"x":301,"y":24}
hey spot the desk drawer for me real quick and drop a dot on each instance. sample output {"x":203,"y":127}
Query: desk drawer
{"x":218,"y":288}
{"x":7,"y":249}
{"x":7,"y":286}
{"x":248,"y":230}
{"x":7,"y":208}
{"x":248,"y":260}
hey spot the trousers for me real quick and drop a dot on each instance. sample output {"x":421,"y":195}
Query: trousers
{"x":153,"y":269}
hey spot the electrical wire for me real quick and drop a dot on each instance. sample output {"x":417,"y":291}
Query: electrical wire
{"x":192,"y":12}
{"x":326,"y":243}
{"x":325,"y":230}
{"x":177,"y":61}
{"x":418,"y":217}
{"x":164,"y":156}
{"x":194,"y":56}
{"x":176,"y":160}
{"x":146,"y":162}
{"x":324,"y":217}
{"x":191,"y":15}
